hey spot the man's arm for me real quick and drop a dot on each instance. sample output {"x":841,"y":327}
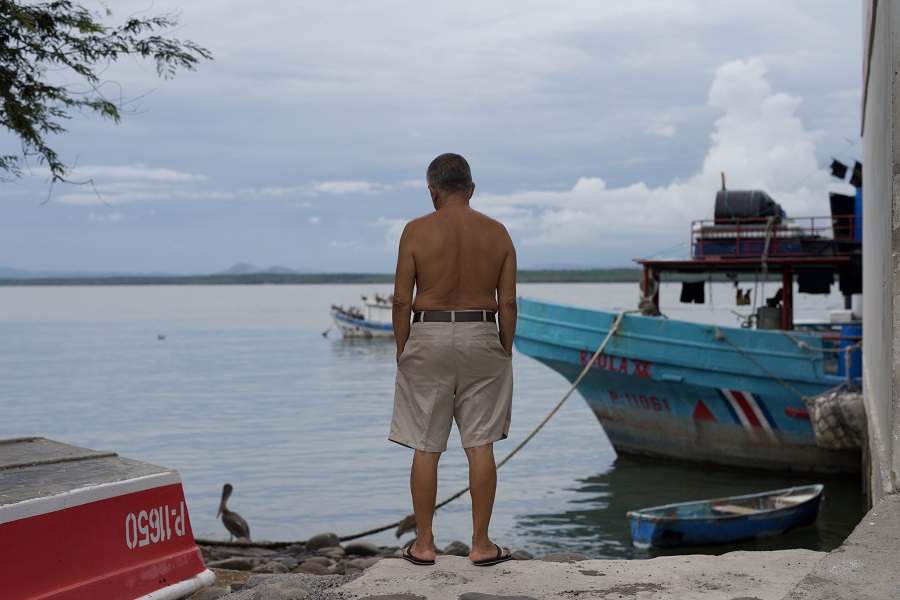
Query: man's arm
{"x":506,"y":299}
{"x":404,"y":283}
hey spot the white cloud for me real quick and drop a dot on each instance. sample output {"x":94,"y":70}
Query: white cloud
{"x":594,"y":127}
{"x":662,"y":127}
{"x":315,"y":220}
{"x":314,"y":188}
{"x":346,"y":187}
{"x":276,"y":192}
{"x":393,"y":233}
{"x":133,"y":172}
{"x":759,"y":143}
{"x":116,"y":195}
{"x":121,"y":184}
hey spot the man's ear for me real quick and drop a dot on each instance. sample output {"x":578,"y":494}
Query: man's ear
{"x":472,"y":191}
{"x":435,"y":196}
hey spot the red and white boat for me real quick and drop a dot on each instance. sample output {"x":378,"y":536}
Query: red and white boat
{"x":78,"y":523}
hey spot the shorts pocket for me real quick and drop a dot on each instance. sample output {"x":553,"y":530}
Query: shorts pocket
{"x":494,"y":347}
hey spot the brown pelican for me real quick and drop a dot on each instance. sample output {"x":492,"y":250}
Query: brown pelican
{"x":234,"y":523}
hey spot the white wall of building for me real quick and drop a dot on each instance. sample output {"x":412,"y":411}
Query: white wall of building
{"x":881,"y":241}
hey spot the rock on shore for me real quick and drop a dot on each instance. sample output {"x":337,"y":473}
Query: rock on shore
{"x":309,"y":570}
{"x":322,"y":569}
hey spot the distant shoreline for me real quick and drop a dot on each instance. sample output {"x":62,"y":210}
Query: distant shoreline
{"x":528,"y":276}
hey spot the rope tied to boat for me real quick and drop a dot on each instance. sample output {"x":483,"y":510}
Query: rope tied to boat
{"x":838,"y":415}
{"x":408,"y":523}
{"x":847,"y":351}
{"x":806,"y":346}
{"x":787,"y":386}
{"x":770,"y":232}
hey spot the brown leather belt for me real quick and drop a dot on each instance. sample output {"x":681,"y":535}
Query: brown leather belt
{"x":454,"y":316}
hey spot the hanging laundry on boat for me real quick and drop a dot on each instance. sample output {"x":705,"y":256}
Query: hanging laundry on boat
{"x":693,"y":292}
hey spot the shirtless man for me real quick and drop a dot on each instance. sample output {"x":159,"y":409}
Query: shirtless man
{"x":452,"y":363}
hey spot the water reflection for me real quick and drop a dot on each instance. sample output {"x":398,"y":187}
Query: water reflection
{"x":593,"y":521}
{"x":355,"y":347}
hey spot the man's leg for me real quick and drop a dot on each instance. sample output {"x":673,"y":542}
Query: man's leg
{"x":483,"y":488}
{"x":423,"y":485}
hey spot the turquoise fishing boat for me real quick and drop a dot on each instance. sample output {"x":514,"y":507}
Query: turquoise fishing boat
{"x":725,"y":520}
{"x":745,"y":397}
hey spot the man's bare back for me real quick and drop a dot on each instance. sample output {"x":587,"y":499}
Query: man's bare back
{"x":455,"y":258}
{"x":459,"y":255}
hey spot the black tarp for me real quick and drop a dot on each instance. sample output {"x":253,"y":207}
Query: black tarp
{"x":740,"y":204}
{"x":814,"y":281}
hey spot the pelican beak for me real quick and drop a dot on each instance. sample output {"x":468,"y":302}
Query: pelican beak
{"x":219,"y":512}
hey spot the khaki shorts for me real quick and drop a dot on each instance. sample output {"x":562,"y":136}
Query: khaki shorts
{"x":452,"y":371}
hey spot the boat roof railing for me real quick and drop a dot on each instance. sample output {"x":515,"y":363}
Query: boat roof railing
{"x":745,"y":243}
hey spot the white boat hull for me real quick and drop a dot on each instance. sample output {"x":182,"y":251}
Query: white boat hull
{"x":360,"y":328}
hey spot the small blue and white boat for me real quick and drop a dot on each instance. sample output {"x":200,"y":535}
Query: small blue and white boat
{"x":703,"y":393}
{"x":725,"y":520}
{"x":372,"y":321}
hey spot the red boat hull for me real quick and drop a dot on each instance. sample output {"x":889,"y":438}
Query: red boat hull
{"x":125,"y":539}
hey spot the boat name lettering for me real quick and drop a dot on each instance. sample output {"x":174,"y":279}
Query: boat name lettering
{"x":641,"y":401}
{"x":628,"y":366}
{"x":154,"y":526}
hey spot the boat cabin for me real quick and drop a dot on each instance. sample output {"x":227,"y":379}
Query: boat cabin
{"x":751,"y":234}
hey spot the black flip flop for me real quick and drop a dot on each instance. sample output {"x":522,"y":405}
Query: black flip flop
{"x":408,"y":555}
{"x":487,"y":562}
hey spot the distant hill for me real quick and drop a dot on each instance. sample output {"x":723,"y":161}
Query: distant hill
{"x":239,"y":269}
{"x":246,"y":274}
{"x":248,"y":269}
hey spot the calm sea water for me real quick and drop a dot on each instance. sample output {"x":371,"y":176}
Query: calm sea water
{"x":244,"y":388}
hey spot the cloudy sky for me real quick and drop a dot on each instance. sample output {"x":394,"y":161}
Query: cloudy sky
{"x":596,"y":130}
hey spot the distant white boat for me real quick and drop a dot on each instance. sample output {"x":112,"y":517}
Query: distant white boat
{"x":372,"y":321}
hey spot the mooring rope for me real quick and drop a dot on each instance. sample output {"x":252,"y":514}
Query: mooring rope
{"x":848,"y":380}
{"x":410,"y":519}
{"x":770,"y":232}
{"x":803,"y":345}
{"x":847,"y":351}
{"x":722,"y":336}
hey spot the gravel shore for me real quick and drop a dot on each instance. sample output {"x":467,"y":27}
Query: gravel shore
{"x":864,"y":567}
{"x":285,"y":571}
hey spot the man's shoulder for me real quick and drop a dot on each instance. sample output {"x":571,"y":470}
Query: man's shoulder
{"x":419,"y":222}
{"x":486,"y":219}
{"x":472,"y":218}
{"x":488,"y":223}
